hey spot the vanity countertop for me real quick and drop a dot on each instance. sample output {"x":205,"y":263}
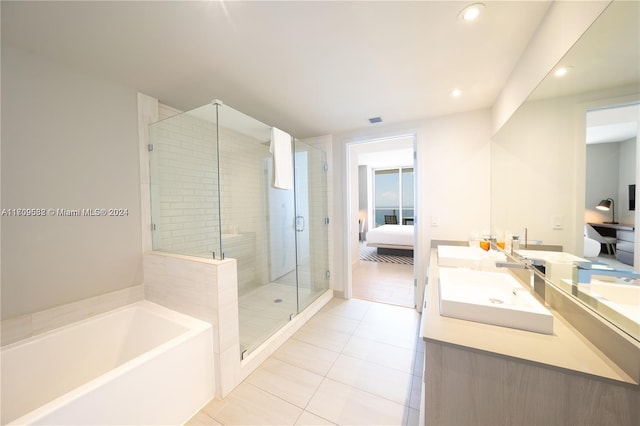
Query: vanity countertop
{"x":566,"y":348}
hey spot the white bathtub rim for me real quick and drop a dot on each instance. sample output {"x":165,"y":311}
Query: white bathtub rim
{"x":182,"y":319}
{"x":197,"y":327}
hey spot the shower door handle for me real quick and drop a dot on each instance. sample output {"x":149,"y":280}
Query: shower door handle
{"x":299,"y":223}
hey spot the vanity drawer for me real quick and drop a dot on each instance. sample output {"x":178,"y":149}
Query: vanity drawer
{"x":624,"y":246}
{"x":624,"y":257}
{"x":625,"y":236}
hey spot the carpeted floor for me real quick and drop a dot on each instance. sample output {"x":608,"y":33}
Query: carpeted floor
{"x":370,"y":254}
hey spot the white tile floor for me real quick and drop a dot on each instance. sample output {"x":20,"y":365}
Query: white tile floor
{"x":355,"y":362}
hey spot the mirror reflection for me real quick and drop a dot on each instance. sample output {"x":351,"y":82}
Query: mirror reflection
{"x":564,"y":170}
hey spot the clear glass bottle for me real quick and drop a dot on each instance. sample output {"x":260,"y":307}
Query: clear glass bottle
{"x":515,"y":243}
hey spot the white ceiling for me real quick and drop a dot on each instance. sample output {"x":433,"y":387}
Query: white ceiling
{"x":613,"y":124}
{"x":310,"y":68}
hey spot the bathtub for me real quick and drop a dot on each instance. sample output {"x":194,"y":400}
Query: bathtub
{"x":139,"y":364}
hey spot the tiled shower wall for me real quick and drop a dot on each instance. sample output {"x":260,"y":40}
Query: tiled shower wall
{"x":185,"y":192}
{"x":185,"y":187}
{"x":243,"y":185}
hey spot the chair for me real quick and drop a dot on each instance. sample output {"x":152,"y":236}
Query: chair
{"x":591,"y":247}
{"x":609,"y":242}
{"x":390,"y":219}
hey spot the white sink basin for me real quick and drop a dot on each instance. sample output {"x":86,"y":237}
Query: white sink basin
{"x":467,"y":257}
{"x":558,"y":265}
{"x":491,"y":298}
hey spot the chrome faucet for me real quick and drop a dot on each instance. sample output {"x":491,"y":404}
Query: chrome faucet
{"x":583,"y":272}
{"x":522,"y":269}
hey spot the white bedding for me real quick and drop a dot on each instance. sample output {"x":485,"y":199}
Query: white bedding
{"x":400,"y":236}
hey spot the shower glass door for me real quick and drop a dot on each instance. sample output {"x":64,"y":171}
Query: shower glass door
{"x":257,"y":227}
{"x":311,"y":224}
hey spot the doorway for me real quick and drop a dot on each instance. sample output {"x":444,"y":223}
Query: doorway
{"x":382,"y":180}
{"x":610,"y":183}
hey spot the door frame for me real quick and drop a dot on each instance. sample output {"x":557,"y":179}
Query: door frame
{"x":351,"y":192}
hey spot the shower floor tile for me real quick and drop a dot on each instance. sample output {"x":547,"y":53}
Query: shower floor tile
{"x":265,"y":309}
{"x":355,"y":362}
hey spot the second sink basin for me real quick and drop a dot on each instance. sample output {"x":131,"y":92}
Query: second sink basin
{"x":491,"y":298}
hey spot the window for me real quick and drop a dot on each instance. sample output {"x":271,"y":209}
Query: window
{"x":393,"y":195}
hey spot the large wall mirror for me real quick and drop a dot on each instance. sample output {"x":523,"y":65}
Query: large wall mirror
{"x":571,"y":147}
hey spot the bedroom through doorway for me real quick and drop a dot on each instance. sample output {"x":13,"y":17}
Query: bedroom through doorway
{"x":382,"y":267}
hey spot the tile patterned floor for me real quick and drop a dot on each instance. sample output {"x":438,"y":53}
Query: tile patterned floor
{"x":355,"y":362}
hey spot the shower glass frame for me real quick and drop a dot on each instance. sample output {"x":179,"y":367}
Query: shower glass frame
{"x":212,"y":197}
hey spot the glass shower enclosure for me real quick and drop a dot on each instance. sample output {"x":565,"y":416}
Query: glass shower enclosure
{"x":212,"y":196}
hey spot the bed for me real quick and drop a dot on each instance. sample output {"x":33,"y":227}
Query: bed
{"x":392,"y":239}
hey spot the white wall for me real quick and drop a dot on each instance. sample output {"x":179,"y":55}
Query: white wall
{"x":611,"y":168}
{"x":70,"y":141}
{"x":453,"y":176}
{"x":454,"y":168}
{"x":602,"y":180}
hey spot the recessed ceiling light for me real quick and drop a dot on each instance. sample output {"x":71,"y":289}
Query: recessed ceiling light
{"x":562,"y":71}
{"x":471,"y":12}
{"x":455,"y":93}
